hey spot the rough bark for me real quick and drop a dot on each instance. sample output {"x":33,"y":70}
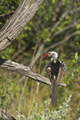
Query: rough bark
{"x":17,"y":22}
{"x":24,"y":70}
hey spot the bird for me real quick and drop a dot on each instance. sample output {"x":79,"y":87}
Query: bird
{"x":55,"y":70}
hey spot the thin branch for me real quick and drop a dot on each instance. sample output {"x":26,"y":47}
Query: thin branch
{"x":61,"y":42}
{"x":19,"y":52}
{"x":4,"y":15}
{"x":24,"y":70}
{"x":61,"y":18}
{"x":74,"y":10}
{"x":67,"y":27}
{"x":37,"y":56}
{"x":21,"y":96}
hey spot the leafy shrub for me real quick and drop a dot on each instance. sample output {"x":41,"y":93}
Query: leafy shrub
{"x":62,"y":113}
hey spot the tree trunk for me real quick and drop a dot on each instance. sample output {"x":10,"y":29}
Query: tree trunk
{"x":17,"y":22}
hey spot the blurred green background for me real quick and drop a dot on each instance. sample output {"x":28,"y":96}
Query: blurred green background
{"x":55,"y":26}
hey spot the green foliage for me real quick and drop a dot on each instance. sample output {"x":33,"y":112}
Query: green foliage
{"x":44,"y":35}
{"x":74,"y":67}
{"x":11,"y":4}
{"x":14,"y":96}
{"x":78,"y":26}
{"x":62,"y":112}
{"x":6,"y":97}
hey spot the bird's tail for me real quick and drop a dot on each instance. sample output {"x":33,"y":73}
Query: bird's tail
{"x":54,"y":92}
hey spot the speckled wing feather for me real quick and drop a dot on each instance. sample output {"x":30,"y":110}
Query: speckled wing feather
{"x":62,"y":70}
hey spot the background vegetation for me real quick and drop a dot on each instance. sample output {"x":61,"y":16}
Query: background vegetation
{"x":55,"y":26}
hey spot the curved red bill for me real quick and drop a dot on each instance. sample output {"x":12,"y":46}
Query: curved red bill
{"x":45,"y":56}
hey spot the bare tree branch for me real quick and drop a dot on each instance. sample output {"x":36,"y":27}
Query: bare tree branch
{"x":24,"y":70}
{"x":74,"y":10}
{"x":67,"y":27}
{"x":18,"y":52}
{"x":61,"y":42}
{"x":4,"y":15}
{"x":37,"y":56}
{"x":17,"y":22}
{"x":61,"y":18}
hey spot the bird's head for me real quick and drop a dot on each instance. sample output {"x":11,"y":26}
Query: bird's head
{"x":53,"y":55}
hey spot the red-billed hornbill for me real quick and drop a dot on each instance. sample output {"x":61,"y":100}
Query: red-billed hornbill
{"x":55,"y":70}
